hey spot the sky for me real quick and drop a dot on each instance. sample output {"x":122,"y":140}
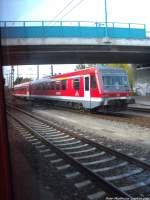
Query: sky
{"x":124,"y":11}
{"x":30,"y":71}
{"x":136,"y":11}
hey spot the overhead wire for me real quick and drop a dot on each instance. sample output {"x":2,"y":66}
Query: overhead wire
{"x":72,"y":8}
{"x":61,"y":11}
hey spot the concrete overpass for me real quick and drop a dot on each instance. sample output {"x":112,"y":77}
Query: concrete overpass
{"x":49,"y":43}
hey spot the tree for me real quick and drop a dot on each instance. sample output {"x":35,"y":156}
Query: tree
{"x":18,"y":80}
{"x":84,"y":66}
{"x":26,"y":80}
{"x":21,"y":80}
{"x":79,"y":67}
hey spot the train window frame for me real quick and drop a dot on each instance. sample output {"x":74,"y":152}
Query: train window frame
{"x":34,"y":86}
{"x":48,"y":85}
{"x":87,"y":85}
{"x":76,"y":83}
{"x":105,"y":80}
{"x":44,"y":86}
{"x":40,"y":86}
{"x":52,"y":86}
{"x":93,"y":82}
{"x":64,"y":84}
{"x":58,"y":86}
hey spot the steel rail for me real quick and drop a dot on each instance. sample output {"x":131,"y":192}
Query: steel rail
{"x":123,"y":156}
{"x":146,"y":110}
{"x":108,"y":187}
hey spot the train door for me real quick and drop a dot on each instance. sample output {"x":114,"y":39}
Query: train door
{"x":87,"y":95}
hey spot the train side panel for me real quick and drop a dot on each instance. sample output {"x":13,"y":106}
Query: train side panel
{"x":88,"y":88}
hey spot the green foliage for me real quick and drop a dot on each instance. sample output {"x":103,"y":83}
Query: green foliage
{"x":18,"y":80}
{"x":127,"y":68}
{"x":26,"y":80}
{"x":22,"y":80}
{"x":79,"y":67}
{"x":84,"y":66}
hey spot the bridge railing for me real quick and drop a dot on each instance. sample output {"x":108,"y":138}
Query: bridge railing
{"x":148,"y":34}
{"x":71,"y":23}
{"x":96,"y":29}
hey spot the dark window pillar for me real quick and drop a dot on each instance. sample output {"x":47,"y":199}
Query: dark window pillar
{"x":5,"y":179}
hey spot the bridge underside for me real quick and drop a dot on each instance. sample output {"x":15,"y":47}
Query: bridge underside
{"x":63,"y":54}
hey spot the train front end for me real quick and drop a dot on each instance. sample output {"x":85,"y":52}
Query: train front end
{"x":116,"y":93}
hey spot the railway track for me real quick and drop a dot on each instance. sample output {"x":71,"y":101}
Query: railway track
{"x":136,"y":119}
{"x":144,"y":110}
{"x":106,"y":172}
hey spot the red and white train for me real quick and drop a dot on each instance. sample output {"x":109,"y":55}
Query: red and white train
{"x":100,"y":88}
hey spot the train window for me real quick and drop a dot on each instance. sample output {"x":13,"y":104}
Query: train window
{"x":64,"y":85}
{"x":48,"y":85}
{"x":52,"y":87}
{"x":76,"y":83}
{"x":34,"y":86}
{"x":93,"y":82}
{"x":40,"y":86}
{"x":37,"y":87}
{"x":115,"y":80}
{"x":86,"y":83}
{"x":58,"y":85}
{"x":44,"y":86}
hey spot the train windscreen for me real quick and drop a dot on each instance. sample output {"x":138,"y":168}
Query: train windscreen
{"x":115,"y":83}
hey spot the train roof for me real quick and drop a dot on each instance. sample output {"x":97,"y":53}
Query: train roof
{"x":79,"y":72}
{"x":100,"y":68}
{"x":109,"y":69}
{"x":22,"y":84}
